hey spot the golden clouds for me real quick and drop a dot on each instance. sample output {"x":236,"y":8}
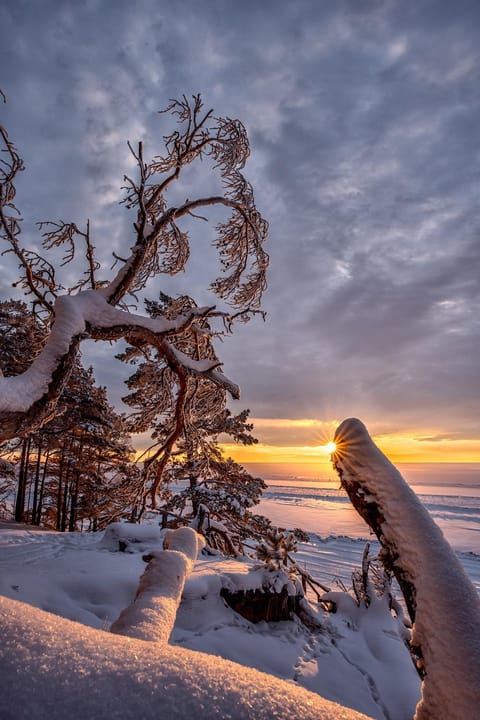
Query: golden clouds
{"x":283,"y":440}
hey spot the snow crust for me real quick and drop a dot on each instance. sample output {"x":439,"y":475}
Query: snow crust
{"x":52,"y":669}
{"x":447,"y":623}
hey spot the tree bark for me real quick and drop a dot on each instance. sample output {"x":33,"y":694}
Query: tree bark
{"x":36,"y":484}
{"x":22,"y":481}
{"x":443,"y":604}
{"x":73,"y":503}
{"x":38,"y":516}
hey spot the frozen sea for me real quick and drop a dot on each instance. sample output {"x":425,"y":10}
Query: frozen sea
{"x":304,"y":496}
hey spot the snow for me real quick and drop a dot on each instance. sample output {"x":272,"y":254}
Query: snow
{"x":447,"y":623}
{"x":78,"y":577}
{"x":78,"y":670}
{"x":358,"y":659}
{"x":128,"y":534}
{"x":53,"y":668}
{"x":260,"y":578}
{"x":325,"y":507}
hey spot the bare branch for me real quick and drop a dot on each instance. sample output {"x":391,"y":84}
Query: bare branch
{"x":38,"y":274}
{"x":160,"y":246}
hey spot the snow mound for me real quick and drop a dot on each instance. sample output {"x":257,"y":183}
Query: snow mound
{"x":131,"y":537}
{"x":53,"y":668}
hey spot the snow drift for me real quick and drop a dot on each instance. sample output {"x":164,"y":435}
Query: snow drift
{"x":52,"y":668}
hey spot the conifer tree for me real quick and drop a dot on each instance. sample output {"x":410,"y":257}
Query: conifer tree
{"x":215,"y":491}
{"x":79,"y":465}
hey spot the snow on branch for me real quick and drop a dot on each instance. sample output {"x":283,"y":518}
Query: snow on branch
{"x":160,"y":246}
{"x":442,"y":602}
{"x":88,"y":314}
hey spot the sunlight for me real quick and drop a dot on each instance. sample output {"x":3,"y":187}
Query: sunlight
{"x":329,"y":447}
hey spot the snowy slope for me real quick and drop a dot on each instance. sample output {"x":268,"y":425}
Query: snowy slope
{"x":358,"y":659}
{"x":52,"y":668}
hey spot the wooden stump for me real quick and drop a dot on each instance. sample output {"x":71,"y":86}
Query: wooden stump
{"x":255,"y":605}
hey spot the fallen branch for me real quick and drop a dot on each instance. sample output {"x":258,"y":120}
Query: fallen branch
{"x":152,"y":614}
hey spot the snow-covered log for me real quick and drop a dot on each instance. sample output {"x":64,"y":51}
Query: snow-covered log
{"x":441,"y":600}
{"x":152,"y":614}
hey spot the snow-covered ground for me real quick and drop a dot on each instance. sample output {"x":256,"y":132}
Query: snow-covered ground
{"x":357,"y":658}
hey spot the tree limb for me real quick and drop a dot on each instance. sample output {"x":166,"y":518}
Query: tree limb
{"x":441,"y":600}
{"x":28,"y":400}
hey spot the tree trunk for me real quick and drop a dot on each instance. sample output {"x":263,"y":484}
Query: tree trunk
{"x":257,"y":605}
{"x":443,"y":604}
{"x":37,"y":480}
{"x":66,"y":489}
{"x":38,"y":516}
{"x":22,"y":481}
{"x":61,"y":471}
{"x":73,"y":503}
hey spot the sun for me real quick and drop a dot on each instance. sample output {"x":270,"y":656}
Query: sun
{"x":329,"y":447}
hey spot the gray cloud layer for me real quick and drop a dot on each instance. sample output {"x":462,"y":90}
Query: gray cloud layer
{"x":364,"y":123}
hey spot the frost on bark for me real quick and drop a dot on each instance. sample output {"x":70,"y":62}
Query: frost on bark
{"x":442,"y":602}
{"x":98,"y":307}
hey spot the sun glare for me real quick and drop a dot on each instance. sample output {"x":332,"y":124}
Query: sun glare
{"x":329,"y":447}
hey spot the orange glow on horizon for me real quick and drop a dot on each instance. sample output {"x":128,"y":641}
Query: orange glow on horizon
{"x":311,"y":441}
{"x":307,"y":440}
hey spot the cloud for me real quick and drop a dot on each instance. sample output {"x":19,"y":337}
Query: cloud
{"x":363,"y":119}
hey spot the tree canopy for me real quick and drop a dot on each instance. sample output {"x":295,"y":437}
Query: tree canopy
{"x":98,"y":307}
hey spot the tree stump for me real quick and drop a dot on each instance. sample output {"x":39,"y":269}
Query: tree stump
{"x":258,"y":605}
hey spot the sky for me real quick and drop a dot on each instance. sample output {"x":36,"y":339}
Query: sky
{"x":364,"y":123}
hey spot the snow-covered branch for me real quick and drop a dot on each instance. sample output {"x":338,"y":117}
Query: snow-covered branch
{"x":28,"y":399}
{"x":152,"y":614}
{"x":440,"y":598}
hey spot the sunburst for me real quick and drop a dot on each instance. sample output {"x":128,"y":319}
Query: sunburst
{"x":329,"y":447}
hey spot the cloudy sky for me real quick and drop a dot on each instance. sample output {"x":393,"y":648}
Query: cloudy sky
{"x":364,"y":122}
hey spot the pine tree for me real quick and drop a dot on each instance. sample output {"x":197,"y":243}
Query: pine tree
{"x":216,"y":492}
{"x":92,"y":474}
{"x":79,"y":466}
{"x":22,"y":337}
